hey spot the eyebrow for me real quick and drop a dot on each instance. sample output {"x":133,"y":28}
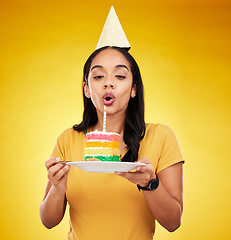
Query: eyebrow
{"x":96,"y":66}
{"x":117,"y":66}
{"x":122,"y":66}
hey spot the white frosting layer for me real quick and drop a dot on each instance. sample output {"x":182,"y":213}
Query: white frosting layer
{"x":103,"y":133}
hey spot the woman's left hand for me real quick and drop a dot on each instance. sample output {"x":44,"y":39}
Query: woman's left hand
{"x":142,"y":175}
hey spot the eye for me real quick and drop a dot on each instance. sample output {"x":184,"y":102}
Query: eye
{"x":120,"y":77}
{"x":98,"y":77}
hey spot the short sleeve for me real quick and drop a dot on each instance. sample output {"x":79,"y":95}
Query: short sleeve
{"x":60,"y":147}
{"x":58,"y":150}
{"x":170,"y":150}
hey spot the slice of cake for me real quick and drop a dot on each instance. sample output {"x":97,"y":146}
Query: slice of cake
{"x":104,"y":146}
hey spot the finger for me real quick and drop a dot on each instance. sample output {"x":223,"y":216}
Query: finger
{"x":144,"y":160}
{"x":53,"y":170}
{"x":55,"y":174}
{"x":131,"y":175}
{"x":142,"y":168}
{"x":62,"y":173}
{"x":52,"y":161}
{"x":136,"y":177}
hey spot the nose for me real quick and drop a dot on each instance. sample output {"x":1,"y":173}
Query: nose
{"x":109,"y":83}
{"x":109,"y":86}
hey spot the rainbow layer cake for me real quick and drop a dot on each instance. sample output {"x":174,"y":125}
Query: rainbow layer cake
{"x":104,"y":146}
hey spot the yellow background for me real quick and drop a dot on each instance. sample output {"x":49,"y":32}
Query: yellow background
{"x":183,"y":50}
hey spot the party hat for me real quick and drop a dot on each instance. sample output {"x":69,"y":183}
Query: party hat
{"x":113,"y":33}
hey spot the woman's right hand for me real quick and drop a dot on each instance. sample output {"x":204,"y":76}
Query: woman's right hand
{"x":57,"y":174}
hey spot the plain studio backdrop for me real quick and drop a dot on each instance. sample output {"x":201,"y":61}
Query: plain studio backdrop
{"x":183,"y":50}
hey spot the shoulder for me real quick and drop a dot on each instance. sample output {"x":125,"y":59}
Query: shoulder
{"x":67,"y":132}
{"x":159,"y":133}
{"x":70,"y":133}
{"x":158,"y":129}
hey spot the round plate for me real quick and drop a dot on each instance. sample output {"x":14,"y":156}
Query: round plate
{"x":104,"y":167}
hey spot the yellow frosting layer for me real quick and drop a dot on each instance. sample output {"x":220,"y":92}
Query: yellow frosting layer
{"x":103,"y":144}
{"x":102,"y":151}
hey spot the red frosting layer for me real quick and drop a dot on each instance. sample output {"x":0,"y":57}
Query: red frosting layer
{"x":103,"y":136}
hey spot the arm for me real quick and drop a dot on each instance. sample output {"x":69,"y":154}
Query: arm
{"x":166,"y":202}
{"x":53,"y":206}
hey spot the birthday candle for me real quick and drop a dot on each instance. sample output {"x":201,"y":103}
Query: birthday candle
{"x":104,"y":119}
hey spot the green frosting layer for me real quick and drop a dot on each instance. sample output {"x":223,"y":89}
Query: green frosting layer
{"x":105,"y":158}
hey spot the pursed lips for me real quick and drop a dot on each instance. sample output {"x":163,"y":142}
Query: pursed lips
{"x":108,"y":99}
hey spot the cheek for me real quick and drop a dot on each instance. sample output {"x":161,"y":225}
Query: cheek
{"x":125,"y":92}
{"x":93,"y":89}
{"x":95,"y":95}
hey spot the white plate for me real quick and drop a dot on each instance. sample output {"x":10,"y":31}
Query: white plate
{"x":104,"y":167}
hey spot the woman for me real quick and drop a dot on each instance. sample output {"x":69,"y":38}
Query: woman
{"x":109,"y":206}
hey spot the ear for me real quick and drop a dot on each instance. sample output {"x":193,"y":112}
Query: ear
{"x":133,"y":91}
{"x":86,"y":90}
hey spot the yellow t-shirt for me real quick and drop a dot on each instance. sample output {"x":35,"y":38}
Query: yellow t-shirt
{"x":107,"y":206}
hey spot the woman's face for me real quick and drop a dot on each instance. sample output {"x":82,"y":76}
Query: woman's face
{"x":110,"y":82}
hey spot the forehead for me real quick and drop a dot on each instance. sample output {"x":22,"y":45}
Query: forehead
{"x":110,"y":58}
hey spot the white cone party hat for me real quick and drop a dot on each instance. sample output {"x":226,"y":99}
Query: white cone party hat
{"x":113,"y":33}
